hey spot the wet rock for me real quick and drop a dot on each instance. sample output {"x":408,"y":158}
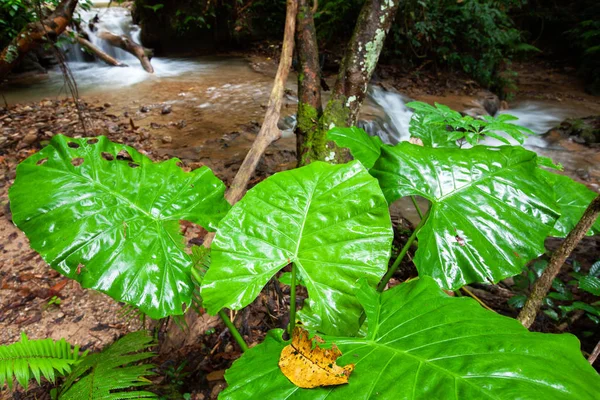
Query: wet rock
{"x":581,"y":130}
{"x":167,"y":109}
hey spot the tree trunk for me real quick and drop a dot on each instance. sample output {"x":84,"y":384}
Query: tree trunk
{"x":351,"y":86}
{"x":34,"y":34}
{"x":143,"y":54}
{"x":96,"y":51}
{"x":176,"y":339}
{"x":309,"y":143}
{"x":544,"y":282}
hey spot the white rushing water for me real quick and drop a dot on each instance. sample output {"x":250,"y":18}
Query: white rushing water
{"x":90,"y":73}
{"x":538,"y":117}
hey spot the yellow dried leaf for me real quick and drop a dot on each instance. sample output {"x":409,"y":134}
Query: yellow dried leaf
{"x":309,"y":367}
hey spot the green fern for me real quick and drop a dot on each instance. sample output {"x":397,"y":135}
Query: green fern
{"x":105,"y":375}
{"x":36,"y":358}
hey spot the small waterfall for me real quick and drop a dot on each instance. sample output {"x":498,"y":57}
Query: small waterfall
{"x":114,"y":19}
{"x":394,"y":127}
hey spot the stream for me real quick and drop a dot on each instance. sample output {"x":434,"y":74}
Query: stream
{"x":216,"y":96}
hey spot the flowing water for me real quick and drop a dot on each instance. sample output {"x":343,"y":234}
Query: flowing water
{"x":220,"y":95}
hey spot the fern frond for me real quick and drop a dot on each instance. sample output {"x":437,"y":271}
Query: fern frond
{"x":37,"y":358}
{"x":104,"y":375}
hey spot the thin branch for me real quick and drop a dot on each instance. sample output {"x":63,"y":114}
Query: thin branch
{"x":544,"y":283}
{"x":594,"y":354}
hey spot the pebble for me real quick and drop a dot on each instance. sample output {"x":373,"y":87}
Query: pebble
{"x":166,"y":109}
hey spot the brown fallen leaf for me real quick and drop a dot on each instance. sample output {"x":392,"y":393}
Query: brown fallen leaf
{"x":308,"y":367}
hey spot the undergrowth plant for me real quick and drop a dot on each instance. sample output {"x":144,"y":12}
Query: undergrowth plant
{"x":108,"y":375}
{"x":105,"y":215}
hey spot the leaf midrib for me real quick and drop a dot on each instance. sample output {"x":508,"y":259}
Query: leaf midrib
{"x":105,"y":189}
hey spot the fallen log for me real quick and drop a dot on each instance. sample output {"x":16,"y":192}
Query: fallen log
{"x":97,"y":51}
{"x":123,"y":42}
{"x":35,"y":33}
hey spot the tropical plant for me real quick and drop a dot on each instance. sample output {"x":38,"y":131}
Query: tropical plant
{"x":111,"y":373}
{"x":104,"y":214}
{"x":560,"y":303}
{"x":105,"y":375}
{"x":476,"y":36}
{"x":29,"y":359}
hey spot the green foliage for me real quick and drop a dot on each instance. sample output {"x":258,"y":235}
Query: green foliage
{"x":423,"y":344}
{"x":560,"y":302}
{"x":490,"y":210}
{"x":585,"y":40}
{"x":14,"y":15}
{"x":328,"y":220}
{"x":29,"y":359}
{"x":440,"y":126}
{"x":107,"y":216}
{"x":107,"y":375}
{"x":365,"y":148}
{"x":475,"y":36}
{"x":487,"y":204}
{"x":573,"y":198}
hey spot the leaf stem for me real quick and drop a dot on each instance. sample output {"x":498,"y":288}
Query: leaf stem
{"x":400,"y":257}
{"x":292,"y":300}
{"x":467,"y":291}
{"x":414,"y":201}
{"x":234,"y":332}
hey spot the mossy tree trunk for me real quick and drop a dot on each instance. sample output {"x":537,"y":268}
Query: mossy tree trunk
{"x":350,"y":89}
{"x":310,"y":144}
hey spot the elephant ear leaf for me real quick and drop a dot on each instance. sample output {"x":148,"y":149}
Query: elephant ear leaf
{"x":364,"y":148}
{"x":573,"y":198}
{"x":331,"y":221}
{"x":491,"y":208}
{"x":107,"y":216}
{"x":423,"y":344}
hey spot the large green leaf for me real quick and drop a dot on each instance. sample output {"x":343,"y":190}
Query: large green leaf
{"x":364,"y":148}
{"x":491,"y":208}
{"x":331,"y":221}
{"x":423,"y":344}
{"x":113,"y":225}
{"x":573,"y":198}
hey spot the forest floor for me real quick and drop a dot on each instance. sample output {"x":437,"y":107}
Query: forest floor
{"x":37,"y":300}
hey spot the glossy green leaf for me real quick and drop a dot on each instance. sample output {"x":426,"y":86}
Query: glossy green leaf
{"x":595,"y":269}
{"x":490,"y":208}
{"x":590,"y":284}
{"x":430,"y":124}
{"x":573,"y":198}
{"x":107,"y":216}
{"x":423,"y":344}
{"x":331,"y":221}
{"x":364,"y":148}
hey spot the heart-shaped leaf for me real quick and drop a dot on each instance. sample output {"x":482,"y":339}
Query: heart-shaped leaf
{"x":423,"y":344}
{"x":573,"y":198}
{"x":107,"y":216}
{"x":364,"y":148}
{"x":491,"y":208}
{"x":331,"y":221}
